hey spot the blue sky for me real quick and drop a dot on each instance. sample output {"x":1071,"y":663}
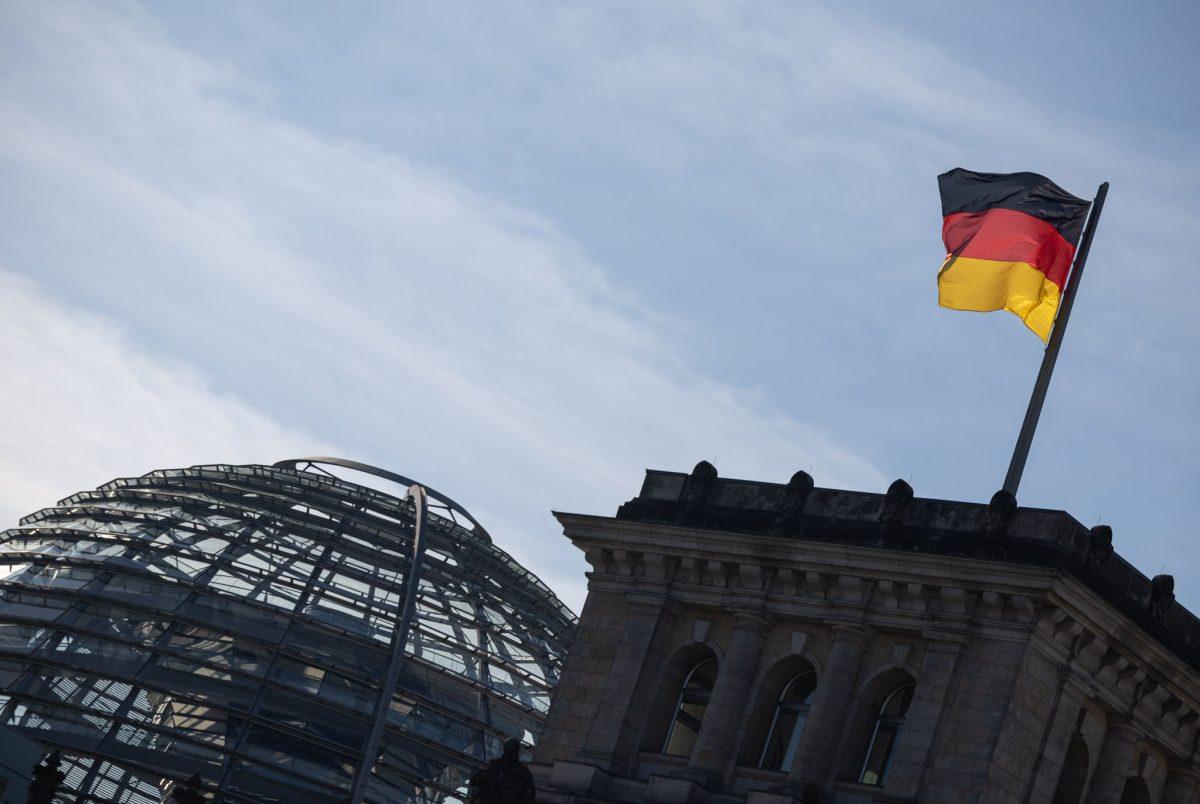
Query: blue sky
{"x":522,"y":251}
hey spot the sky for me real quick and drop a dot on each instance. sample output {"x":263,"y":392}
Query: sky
{"x":521,"y":252}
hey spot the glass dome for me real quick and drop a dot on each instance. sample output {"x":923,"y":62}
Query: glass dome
{"x":247,"y":622}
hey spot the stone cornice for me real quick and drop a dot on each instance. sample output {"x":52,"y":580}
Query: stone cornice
{"x":729,"y":559}
{"x":1128,"y":669}
{"x":898,"y":520}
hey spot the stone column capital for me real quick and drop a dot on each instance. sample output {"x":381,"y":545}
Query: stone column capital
{"x":1183,"y":780}
{"x":1115,"y":760}
{"x":1184,"y":772}
{"x":1076,"y":686}
{"x":744,"y":620}
{"x":713,"y":751}
{"x":1122,"y":729}
{"x":951,"y":647}
{"x":855,"y":634}
{"x":830,"y":705}
{"x":652,"y":605}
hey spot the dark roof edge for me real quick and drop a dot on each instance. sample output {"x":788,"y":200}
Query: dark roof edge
{"x":898,"y":520}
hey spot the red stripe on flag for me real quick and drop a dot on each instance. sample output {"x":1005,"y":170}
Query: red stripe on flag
{"x":1006,"y":235}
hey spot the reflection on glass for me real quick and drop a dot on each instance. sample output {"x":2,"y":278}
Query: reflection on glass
{"x":888,"y":725}
{"x":237,"y":622}
{"x":689,"y":711}
{"x":788,"y":722}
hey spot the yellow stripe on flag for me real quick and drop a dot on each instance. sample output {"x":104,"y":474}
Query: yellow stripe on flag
{"x":967,"y":283}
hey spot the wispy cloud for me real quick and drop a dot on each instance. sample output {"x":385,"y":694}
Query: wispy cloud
{"x":83,"y":405}
{"x":378,"y":305}
{"x":520,"y":251}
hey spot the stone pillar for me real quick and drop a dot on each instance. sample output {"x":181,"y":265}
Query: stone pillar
{"x":912,"y":755}
{"x":624,"y":671}
{"x":727,"y":706}
{"x":1115,"y":763}
{"x":1048,"y":769}
{"x":607,"y":667}
{"x":1183,"y":783}
{"x":830,"y":706}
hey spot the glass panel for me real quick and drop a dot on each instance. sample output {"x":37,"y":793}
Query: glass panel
{"x":215,"y":686}
{"x":87,"y":729}
{"x":21,"y":638}
{"x":285,"y":708}
{"x":8,"y":673}
{"x":294,"y":754}
{"x":285,"y":555}
{"x":292,"y":673}
{"x":109,"y":658}
{"x":897,"y":703}
{"x":703,"y":677}
{"x":788,"y":722}
{"x":685,"y":729}
{"x":62,"y":577}
{"x":693,"y":701}
{"x":424,"y":721}
{"x":888,"y":726}
{"x":143,"y":592}
{"x":879,"y":755}
{"x":202,"y":645}
{"x":800,"y":689}
{"x":782,"y":740}
{"x":113,"y":621}
{"x":31,"y":606}
{"x":344,"y":691}
{"x":258,"y":783}
{"x":328,"y":649}
{"x":246,"y":619}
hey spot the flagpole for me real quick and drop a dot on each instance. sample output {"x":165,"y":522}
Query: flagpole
{"x":1017,"y":466}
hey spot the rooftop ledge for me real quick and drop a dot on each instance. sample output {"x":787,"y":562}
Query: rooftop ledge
{"x":897,"y":520}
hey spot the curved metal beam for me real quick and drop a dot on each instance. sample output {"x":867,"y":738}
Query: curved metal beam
{"x":368,"y":469}
{"x":399,"y":641}
{"x":272,"y":523}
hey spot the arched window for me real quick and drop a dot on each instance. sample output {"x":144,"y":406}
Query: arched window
{"x":689,"y":711}
{"x":790,"y":713}
{"x":1074,"y":772}
{"x":1135,"y":791}
{"x":886,"y":735}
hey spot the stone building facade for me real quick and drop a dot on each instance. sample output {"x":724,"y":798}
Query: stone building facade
{"x":771,"y":643}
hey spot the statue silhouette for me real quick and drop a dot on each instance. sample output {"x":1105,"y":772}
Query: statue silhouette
{"x":47,"y":779}
{"x":504,"y":780}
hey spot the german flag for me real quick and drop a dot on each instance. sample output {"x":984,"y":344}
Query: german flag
{"x":1010,"y":240}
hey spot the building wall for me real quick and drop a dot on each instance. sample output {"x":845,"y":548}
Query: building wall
{"x":1010,"y":663}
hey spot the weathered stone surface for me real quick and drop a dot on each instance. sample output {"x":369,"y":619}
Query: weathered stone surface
{"x":1038,"y":657}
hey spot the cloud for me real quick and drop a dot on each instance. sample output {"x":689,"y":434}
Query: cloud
{"x":755,"y":191}
{"x":376,"y":304}
{"x":83,"y":405}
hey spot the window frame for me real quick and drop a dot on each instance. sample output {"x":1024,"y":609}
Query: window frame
{"x":682,"y":698}
{"x":801,"y":710}
{"x":895,"y":725}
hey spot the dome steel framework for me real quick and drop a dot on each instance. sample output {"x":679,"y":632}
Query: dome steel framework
{"x":248,"y":623}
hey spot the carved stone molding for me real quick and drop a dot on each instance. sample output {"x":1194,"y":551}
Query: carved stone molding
{"x":1162,"y":597}
{"x":854,"y":633}
{"x":696,"y":491}
{"x":1100,"y":547}
{"x":752,"y":621}
{"x":791,"y":508}
{"x":1090,"y":650}
{"x":999,"y":513}
{"x":895,"y":503}
{"x":1119,"y":676}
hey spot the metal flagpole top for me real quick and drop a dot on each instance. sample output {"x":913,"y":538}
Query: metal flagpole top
{"x":1016,"y":466}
